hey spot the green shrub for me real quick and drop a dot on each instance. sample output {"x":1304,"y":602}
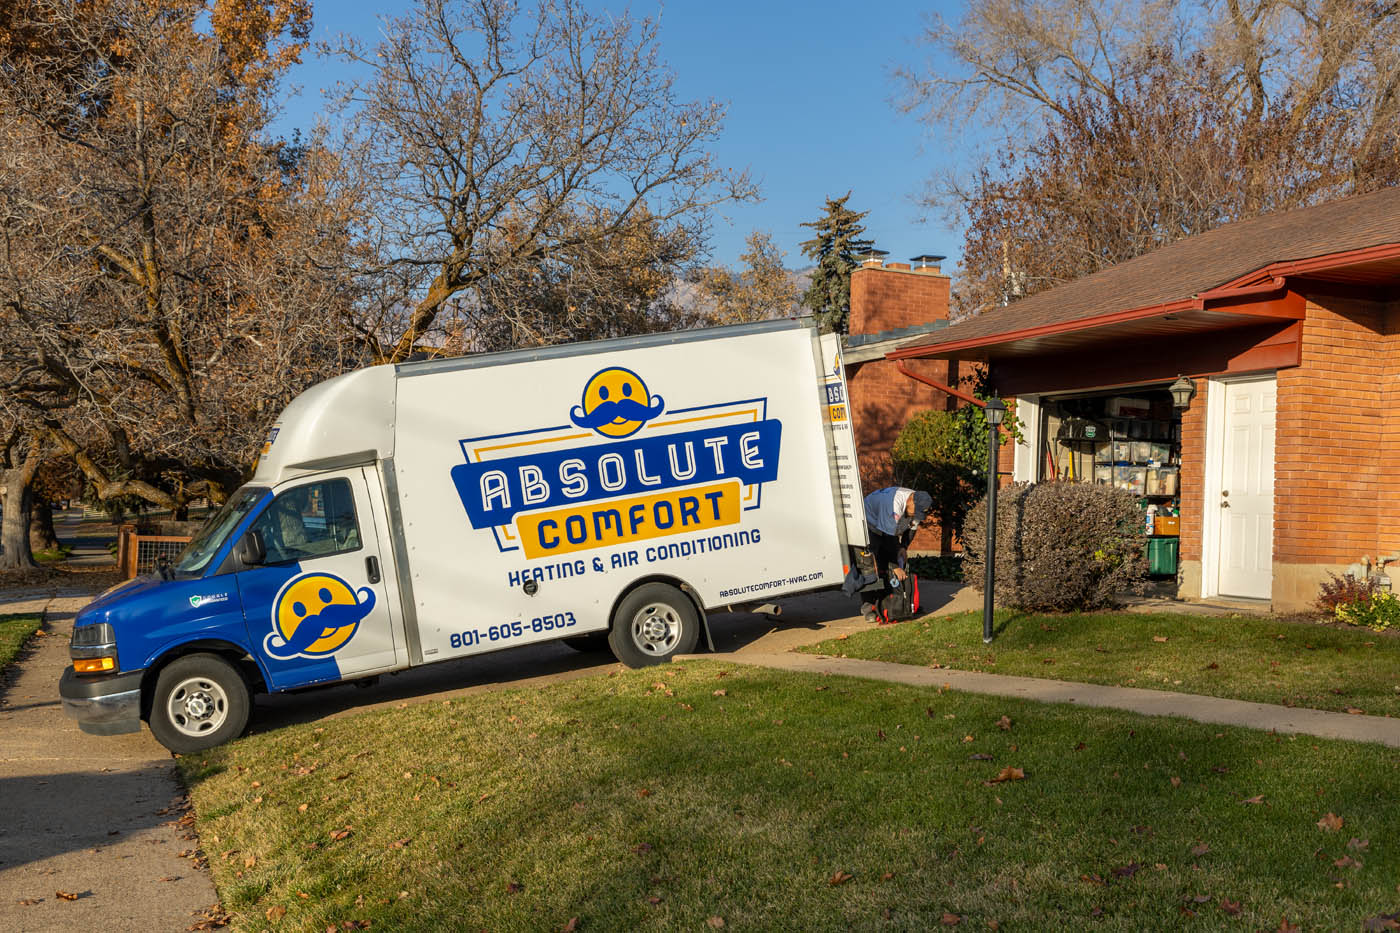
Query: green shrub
{"x":945,"y":567}
{"x":1060,"y":546}
{"x":1377,"y":611}
{"x":931,"y":453}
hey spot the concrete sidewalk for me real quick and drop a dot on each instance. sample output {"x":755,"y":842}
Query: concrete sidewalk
{"x":1268,"y":717}
{"x":82,"y":814}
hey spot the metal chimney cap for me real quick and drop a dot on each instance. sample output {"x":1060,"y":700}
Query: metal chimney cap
{"x":873,"y":253}
{"x":927,"y":258}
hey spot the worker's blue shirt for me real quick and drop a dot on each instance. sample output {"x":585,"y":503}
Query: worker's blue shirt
{"x":879,"y":511}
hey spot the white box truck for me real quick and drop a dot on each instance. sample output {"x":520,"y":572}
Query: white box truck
{"x":402,"y":515}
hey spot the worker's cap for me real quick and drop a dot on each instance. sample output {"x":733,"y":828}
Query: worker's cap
{"x":922,"y":503}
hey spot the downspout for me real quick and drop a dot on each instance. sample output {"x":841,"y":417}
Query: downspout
{"x":939,"y":386}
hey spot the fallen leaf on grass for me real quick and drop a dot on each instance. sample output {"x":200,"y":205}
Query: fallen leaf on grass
{"x":250,"y":861}
{"x":1346,"y":861}
{"x":641,"y":847}
{"x":1201,"y":849}
{"x":1258,"y":799}
{"x":721,"y":693}
{"x":513,"y":887}
{"x":1330,"y":823}
{"x":276,"y":912}
{"x":979,"y":756}
{"x":644,"y":792}
{"x":967,"y":738}
{"x":715,"y":922}
{"x":1353,"y":711}
{"x":1004,"y":723}
{"x":1007,"y":774}
{"x":1127,"y":871}
{"x":1159,"y":638}
{"x":1358,"y":845}
{"x":339,"y":834}
{"x":400,"y":843}
{"x":571,"y":926}
{"x":1382,"y":922}
{"x":1176,"y":782}
{"x":841,"y":877}
{"x":1284,"y":926}
{"x":1230,"y":907}
{"x":950,"y":920}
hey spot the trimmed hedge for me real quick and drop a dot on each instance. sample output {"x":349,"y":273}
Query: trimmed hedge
{"x":1060,"y":546}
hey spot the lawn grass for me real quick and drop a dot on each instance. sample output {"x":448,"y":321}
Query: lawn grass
{"x":14,"y":632}
{"x":1244,"y":658}
{"x":661,"y":799}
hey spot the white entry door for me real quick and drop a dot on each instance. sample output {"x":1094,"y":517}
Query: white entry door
{"x":1246,"y":500}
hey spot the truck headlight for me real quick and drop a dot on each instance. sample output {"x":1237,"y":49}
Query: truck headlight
{"x":85,"y":636}
{"x":93,"y":649}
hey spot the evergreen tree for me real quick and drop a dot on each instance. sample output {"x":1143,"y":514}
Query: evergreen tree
{"x":834,"y":250}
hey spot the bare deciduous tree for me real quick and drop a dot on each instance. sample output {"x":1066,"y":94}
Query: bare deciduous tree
{"x":169,"y":277}
{"x":499,"y":138}
{"x":763,"y":289}
{"x":1136,"y":122}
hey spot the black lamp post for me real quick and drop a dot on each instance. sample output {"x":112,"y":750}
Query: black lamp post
{"x":995,"y":411}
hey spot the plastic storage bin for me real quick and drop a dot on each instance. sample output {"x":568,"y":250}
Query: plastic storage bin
{"x":1161,"y":555}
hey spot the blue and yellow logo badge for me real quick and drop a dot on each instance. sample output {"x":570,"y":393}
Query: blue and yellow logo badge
{"x":616,"y":403}
{"x":315,"y":615}
{"x":551,"y":491}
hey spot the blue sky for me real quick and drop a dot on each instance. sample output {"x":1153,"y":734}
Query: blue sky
{"x":810,"y":91}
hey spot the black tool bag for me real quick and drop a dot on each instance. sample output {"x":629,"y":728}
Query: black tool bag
{"x":902,"y":602}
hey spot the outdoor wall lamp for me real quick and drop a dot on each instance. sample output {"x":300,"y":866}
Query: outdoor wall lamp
{"x":995,"y":412}
{"x":1183,"y":390}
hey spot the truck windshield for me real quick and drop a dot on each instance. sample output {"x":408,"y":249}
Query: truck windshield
{"x":197,"y":554}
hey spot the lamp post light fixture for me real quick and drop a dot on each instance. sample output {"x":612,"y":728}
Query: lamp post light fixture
{"x":1183,"y":390}
{"x":995,"y":411}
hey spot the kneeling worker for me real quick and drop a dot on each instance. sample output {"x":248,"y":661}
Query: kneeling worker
{"x":892,"y":515}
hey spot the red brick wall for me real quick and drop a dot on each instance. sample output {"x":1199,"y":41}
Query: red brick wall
{"x":1331,"y":476}
{"x":882,"y":398}
{"x":1193,"y":482}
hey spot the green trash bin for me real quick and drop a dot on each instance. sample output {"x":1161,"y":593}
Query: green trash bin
{"x":1161,"y":556}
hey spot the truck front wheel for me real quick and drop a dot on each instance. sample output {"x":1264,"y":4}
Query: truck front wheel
{"x":653,"y":624}
{"x":200,"y":701}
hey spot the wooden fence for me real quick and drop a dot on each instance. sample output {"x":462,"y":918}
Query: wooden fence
{"x":138,"y":553}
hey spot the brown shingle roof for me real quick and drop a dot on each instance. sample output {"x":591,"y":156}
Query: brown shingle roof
{"x":1184,"y":269}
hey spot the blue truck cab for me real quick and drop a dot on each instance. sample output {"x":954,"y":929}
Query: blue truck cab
{"x":290,"y":584}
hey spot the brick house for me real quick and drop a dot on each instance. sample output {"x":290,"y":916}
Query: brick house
{"x":1288,"y":328}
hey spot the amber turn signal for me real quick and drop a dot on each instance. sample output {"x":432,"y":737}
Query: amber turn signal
{"x":94,"y":665}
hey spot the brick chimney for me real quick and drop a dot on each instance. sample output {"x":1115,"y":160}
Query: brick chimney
{"x":887,"y":296}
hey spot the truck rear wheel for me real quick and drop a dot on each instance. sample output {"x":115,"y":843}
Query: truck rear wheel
{"x":653,"y":624}
{"x":200,"y":701}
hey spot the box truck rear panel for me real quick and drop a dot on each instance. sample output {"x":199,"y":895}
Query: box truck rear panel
{"x":532,"y":494}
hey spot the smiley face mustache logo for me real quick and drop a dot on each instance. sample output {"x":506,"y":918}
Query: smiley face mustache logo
{"x":317,"y":625}
{"x":609,"y":410}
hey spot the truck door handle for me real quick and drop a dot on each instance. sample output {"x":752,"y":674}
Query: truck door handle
{"x":372,"y":568}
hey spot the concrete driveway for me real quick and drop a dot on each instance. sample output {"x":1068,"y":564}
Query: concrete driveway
{"x":87,"y":816}
{"x":98,"y":817}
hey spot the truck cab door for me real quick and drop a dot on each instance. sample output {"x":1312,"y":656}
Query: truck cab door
{"x":316,"y":608}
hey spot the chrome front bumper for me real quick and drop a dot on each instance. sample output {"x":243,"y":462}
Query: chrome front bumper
{"x":105,"y":705}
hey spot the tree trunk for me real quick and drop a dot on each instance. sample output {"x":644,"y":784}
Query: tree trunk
{"x":14,"y":528}
{"x":42,"y":536}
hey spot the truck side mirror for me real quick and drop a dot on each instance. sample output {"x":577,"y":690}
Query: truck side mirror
{"x":250,"y":549}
